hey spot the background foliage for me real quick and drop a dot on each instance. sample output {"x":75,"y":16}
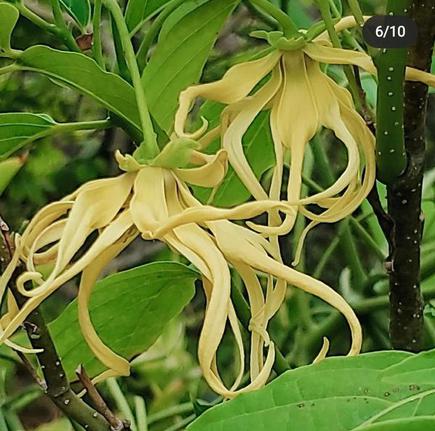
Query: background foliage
{"x":166,"y":377}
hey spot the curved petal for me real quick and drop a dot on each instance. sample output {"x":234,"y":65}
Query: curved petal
{"x":225,"y":232}
{"x":345,"y":23}
{"x":236,"y":84}
{"x":203,"y":213}
{"x":196,"y":239}
{"x":148,"y":204}
{"x":242,"y":116}
{"x":108,"y":236}
{"x":329,"y":55}
{"x":115,"y":363}
{"x":211,"y":174}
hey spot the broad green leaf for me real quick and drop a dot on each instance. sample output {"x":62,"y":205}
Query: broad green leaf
{"x":340,"y":394}
{"x":80,"y":10}
{"x":83,"y":74}
{"x":411,"y":424}
{"x":258,"y":148}
{"x":416,"y":370}
{"x":182,"y":50}
{"x":18,"y":129}
{"x":140,"y":10}
{"x":8,"y":19}
{"x":8,"y":169}
{"x":129,"y":311}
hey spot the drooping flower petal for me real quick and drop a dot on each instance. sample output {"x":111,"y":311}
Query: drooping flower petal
{"x":236,"y":84}
{"x":117,"y":365}
{"x":110,"y":234}
{"x":329,"y":55}
{"x":224,"y":231}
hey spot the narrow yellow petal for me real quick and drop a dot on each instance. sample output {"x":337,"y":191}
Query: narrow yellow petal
{"x":242,"y":115}
{"x":236,"y":84}
{"x":108,"y":236}
{"x":119,"y":365}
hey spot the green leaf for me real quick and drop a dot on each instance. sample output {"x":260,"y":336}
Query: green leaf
{"x":129,"y":311}
{"x":412,"y":424}
{"x":140,"y":10}
{"x":80,"y":10}
{"x":8,"y":169}
{"x":258,"y":148}
{"x":184,"y":45}
{"x":339,"y":394}
{"x":8,"y":18}
{"x":18,"y":129}
{"x":80,"y":72}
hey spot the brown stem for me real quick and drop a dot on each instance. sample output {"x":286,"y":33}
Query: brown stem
{"x":56,"y":384}
{"x":404,"y":197}
{"x":98,"y":401}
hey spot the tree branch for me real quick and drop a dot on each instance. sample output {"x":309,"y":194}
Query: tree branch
{"x":404,"y":197}
{"x":56,"y":385}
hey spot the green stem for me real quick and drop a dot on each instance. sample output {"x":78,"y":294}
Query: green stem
{"x":326,"y":256}
{"x":121,"y":402}
{"x":8,"y":69}
{"x":152,"y":32}
{"x":361,"y":307}
{"x":365,"y":236}
{"x":81,"y":126}
{"x":48,"y":27}
{"x":390,"y":139}
{"x":182,"y":424}
{"x":97,"y":47}
{"x":263,"y":17}
{"x":148,"y":149}
{"x":356,"y":11}
{"x":64,"y":32}
{"x":289,"y":27}
{"x":347,"y":244}
{"x":36,"y":19}
{"x":121,"y":62}
{"x":169,"y":412}
{"x":334,"y":8}
{"x":3,"y":425}
{"x":141,"y":414}
{"x":330,"y":27}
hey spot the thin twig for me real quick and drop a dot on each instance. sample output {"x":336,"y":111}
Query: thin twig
{"x":98,"y":401}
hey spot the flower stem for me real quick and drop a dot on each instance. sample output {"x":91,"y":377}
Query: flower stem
{"x":288,"y":26}
{"x":148,"y":149}
{"x":330,"y":27}
{"x":356,"y":11}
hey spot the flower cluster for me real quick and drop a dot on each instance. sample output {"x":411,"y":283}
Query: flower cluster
{"x":84,"y":231}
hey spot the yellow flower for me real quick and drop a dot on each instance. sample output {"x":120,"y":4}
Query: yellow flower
{"x":154,"y":200}
{"x":302,"y":99}
{"x":147,"y":199}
